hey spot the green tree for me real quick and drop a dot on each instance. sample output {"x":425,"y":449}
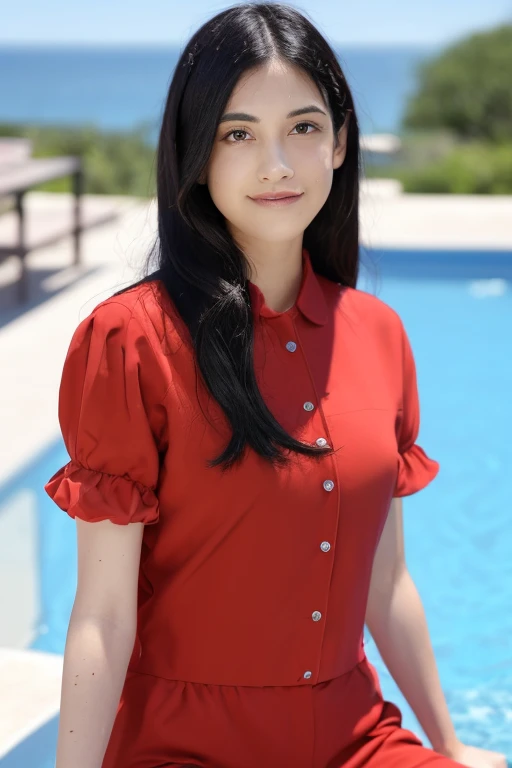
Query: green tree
{"x":467,"y":89}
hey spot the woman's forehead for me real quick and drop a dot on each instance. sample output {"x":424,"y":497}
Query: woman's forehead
{"x":274,"y":85}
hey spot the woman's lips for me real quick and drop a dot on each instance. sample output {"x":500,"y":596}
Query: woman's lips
{"x":278,"y":202}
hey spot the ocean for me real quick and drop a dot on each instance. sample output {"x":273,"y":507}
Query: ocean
{"x":125,"y":87}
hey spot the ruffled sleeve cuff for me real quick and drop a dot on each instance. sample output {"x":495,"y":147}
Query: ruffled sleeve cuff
{"x":95,"y":496}
{"x":415,"y":471}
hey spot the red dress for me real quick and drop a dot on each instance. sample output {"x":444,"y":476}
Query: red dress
{"x":253,"y":584}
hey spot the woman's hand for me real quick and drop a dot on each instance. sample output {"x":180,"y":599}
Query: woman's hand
{"x":474,"y":757}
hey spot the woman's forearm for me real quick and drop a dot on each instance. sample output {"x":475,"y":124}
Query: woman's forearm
{"x":401,"y":634}
{"x":96,"y":658}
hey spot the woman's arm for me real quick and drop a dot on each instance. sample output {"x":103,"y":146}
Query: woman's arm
{"x":100,"y":639}
{"x":396,"y":620}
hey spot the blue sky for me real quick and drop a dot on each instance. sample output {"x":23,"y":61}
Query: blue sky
{"x":174,"y":21}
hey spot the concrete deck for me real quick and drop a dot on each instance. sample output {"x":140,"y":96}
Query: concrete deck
{"x":34,"y":339}
{"x":30,"y":694}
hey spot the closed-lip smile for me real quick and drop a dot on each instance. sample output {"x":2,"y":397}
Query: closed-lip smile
{"x":275,"y":195}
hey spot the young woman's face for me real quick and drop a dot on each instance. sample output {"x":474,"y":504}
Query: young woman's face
{"x":273,"y":153}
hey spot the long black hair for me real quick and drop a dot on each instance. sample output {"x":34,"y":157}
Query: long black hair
{"x":202,"y":268}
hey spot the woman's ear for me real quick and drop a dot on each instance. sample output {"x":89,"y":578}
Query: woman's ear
{"x":340,"y":150}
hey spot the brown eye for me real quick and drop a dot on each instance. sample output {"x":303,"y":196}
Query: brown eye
{"x":311,"y":124}
{"x":236,"y":130}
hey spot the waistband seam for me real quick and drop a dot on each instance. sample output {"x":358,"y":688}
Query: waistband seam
{"x":241,"y":685}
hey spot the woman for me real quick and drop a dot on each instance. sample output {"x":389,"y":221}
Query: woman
{"x":241,"y":425}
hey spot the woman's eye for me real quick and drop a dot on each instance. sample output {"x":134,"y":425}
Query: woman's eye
{"x":311,"y":124}
{"x":231,"y":133}
{"x":243,"y":130}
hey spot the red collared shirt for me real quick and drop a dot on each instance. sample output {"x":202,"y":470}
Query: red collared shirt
{"x":259,"y":575}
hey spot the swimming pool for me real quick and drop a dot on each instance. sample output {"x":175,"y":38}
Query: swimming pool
{"x":457,"y":309}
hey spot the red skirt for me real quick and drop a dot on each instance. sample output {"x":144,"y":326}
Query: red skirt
{"x":339,"y":723}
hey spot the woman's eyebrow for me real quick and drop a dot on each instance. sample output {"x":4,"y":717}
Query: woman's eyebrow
{"x":252,"y":119}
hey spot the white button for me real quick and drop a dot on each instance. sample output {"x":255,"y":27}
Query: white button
{"x":307,"y":674}
{"x":321,"y":441}
{"x":316,"y":615}
{"x":308,"y":406}
{"x":325,"y":546}
{"x":291,"y":346}
{"x":328,"y":485}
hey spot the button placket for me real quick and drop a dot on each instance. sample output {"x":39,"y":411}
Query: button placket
{"x":292,"y":346}
{"x":325,"y":546}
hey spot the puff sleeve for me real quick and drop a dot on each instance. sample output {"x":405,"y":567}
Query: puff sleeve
{"x":111,"y":421}
{"x":415,"y":468}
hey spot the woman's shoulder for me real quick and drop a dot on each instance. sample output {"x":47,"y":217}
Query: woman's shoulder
{"x":141,"y":296}
{"x":366,"y":307}
{"x":124,"y":342}
{"x":149,"y":305}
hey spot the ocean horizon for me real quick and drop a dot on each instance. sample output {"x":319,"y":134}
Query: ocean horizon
{"x":120,"y":88}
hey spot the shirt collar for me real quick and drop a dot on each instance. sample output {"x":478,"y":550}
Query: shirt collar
{"x":310,"y":299}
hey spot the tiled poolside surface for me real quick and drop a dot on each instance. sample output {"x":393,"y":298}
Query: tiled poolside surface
{"x":34,"y":341}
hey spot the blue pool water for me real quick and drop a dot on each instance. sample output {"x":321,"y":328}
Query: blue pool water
{"x":457,"y":309}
